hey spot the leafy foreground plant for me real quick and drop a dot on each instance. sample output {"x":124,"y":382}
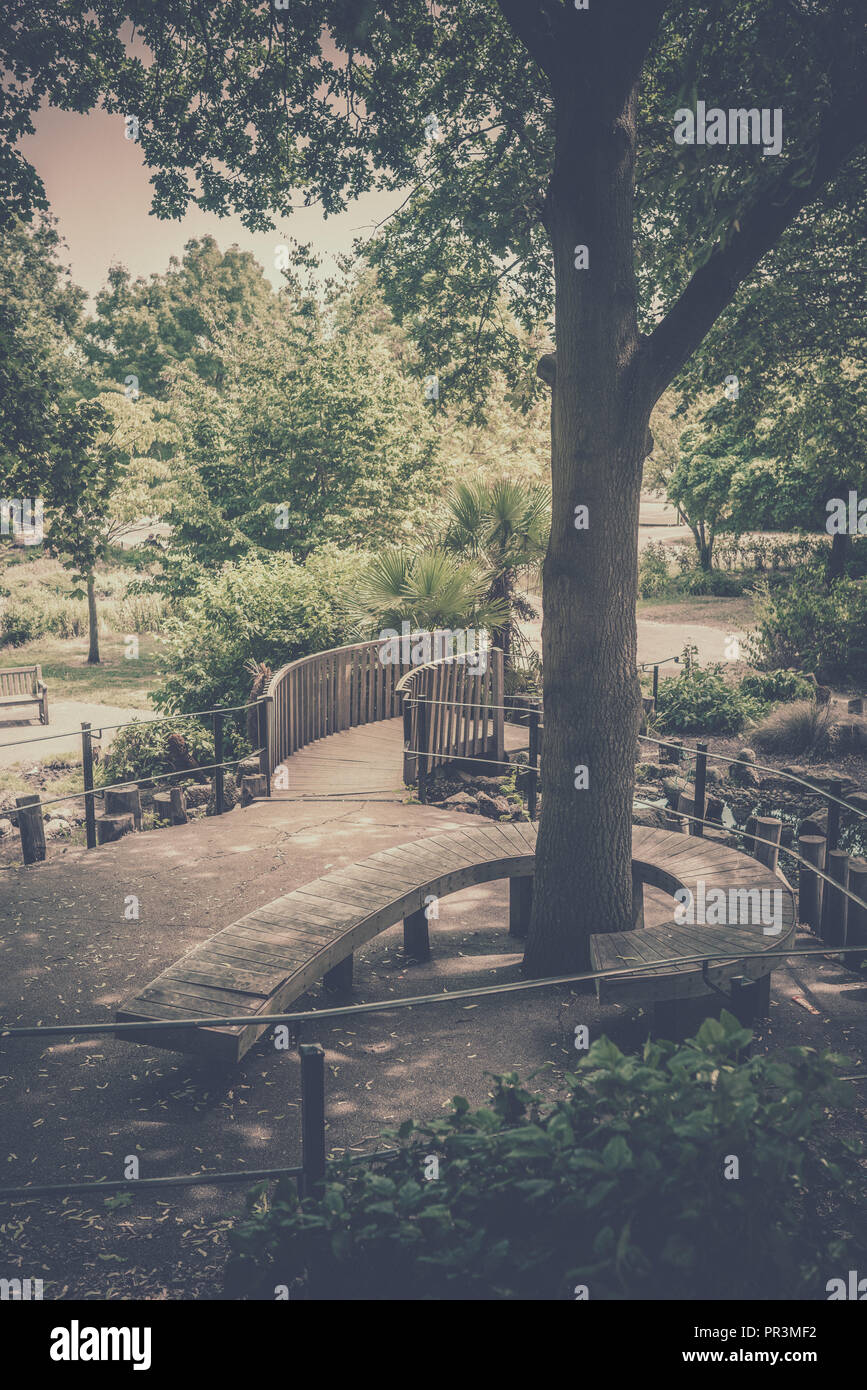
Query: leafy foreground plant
{"x":619,"y":1186}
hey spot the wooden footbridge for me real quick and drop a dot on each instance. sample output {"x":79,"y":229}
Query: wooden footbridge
{"x":334,"y":729}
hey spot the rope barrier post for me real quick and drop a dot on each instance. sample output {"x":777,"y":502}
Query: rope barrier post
{"x":422,"y":755}
{"x":811,"y":848}
{"x":219,"y":771}
{"x":533,"y":789}
{"x":87,"y":770}
{"x":834,"y":913}
{"x":264,"y":741}
{"x":836,"y":791}
{"x":312,"y":1118}
{"x":699,"y":794}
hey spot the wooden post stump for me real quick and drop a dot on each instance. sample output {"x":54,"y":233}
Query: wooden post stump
{"x":109,"y":828}
{"x":178,"y":806}
{"x":339,"y":978}
{"x":768,"y":828}
{"x":834,"y":913}
{"x":520,"y":905}
{"x":855,"y":706}
{"x":31,"y":828}
{"x":811,"y":848}
{"x":416,"y":936}
{"x":125,"y":800}
{"x":253,"y":787}
{"x":857,"y":922}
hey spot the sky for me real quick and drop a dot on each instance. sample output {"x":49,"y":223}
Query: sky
{"x":98,"y":187}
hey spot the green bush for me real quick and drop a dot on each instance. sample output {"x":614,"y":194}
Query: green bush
{"x":776,"y":686}
{"x":813,"y":628}
{"x":701,"y":700}
{"x":619,"y":1186}
{"x":262,"y":608}
{"x":713,"y":583}
{"x":19,"y":623}
{"x":653,"y":575}
{"x":141,"y":750}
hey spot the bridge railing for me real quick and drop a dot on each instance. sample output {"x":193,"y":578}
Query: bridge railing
{"x":330,"y":691}
{"x":453,"y":710}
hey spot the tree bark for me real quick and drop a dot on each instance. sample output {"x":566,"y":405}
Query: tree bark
{"x":600,"y":418}
{"x":838,"y":558}
{"x":92,"y":624}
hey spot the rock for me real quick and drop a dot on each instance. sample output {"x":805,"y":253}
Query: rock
{"x":742,"y":775}
{"x":248,"y":767}
{"x":671,"y":790}
{"x":489,"y":784}
{"x":746,"y":755}
{"x":460,"y":800}
{"x":712,"y":777}
{"x":200,"y":795}
{"x":858,"y":799}
{"x":492,"y":806}
{"x":647,"y":772}
{"x":814,"y":824}
{"x":57,"y":827}
{"x":848,"y":736}
{"x":6,"y":827}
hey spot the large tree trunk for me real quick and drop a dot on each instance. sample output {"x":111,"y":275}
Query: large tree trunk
{"x":92,"y":624}
{"x":600,"y":419}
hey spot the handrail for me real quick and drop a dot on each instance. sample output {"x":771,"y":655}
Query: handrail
{"x":439,"y":730}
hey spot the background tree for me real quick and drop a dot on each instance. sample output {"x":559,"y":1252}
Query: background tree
{"x":557,"y":132}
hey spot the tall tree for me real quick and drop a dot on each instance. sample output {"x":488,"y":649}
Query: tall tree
{"x":546,"y":111}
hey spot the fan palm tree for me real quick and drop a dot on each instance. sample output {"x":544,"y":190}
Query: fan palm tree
{"x":429,"y":589}
{"x":503,"y":525}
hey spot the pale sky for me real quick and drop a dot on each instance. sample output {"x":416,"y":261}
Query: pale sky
{"x":99,"y":189}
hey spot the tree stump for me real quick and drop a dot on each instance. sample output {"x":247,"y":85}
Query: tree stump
{"x":125,"y":800}
{"x":163,"y":805}
{"x":31,"y":828}
{"x":252,"y":787}
{"x":109,"y":828}
{"x":178,"y":806}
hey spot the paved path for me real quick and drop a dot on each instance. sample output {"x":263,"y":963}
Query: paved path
{"x":365,"y":763}
{"x":67,"y":717}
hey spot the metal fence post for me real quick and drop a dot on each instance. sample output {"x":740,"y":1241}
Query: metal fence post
{"x":421,"y":735}
{"x":312,"y":1118}
{"x":219,"y":771}
{"x":264,"y":741}
{"x":533,"y":789}
{"x":700,"y":781}
{"x":655,"y":683}
{"x":87,"y":770}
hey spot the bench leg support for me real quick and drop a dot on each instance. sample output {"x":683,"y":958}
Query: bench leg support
{"x":339,"y":978}
{"x":416,"y":936}
{"x":520,"y":905}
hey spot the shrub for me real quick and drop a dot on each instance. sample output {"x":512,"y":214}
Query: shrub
{"x":618,"y":1185}
{"x":141,"y":750}
{"x":653,"y":576}
{"x":20,"y":623}
{"x":710,"y":582}
{"x":261,"y":609}
{"x":805,"y":625}
{"x":774,"y":686}
{"x":701,"y":700}
{"x":799,"y":728}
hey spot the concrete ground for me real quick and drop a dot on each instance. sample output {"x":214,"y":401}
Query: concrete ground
{"x":77,"y":1109}
{"x":65,"y":720}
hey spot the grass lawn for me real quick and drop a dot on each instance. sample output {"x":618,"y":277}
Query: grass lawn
{"x":117,"y":680}
{"x":731,"y":614}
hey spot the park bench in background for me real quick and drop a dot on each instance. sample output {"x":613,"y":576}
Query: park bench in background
{"x":23,"y":685}
{"x":270,"y":957}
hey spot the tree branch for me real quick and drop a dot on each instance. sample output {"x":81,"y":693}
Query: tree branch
{"x":714,"y":284}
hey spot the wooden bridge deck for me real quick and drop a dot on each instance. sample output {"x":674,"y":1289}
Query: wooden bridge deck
{"x":364,"y":763}
{"x":270,"y":957}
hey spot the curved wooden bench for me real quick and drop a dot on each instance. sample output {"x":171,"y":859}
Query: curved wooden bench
{"x":264,"y":961}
